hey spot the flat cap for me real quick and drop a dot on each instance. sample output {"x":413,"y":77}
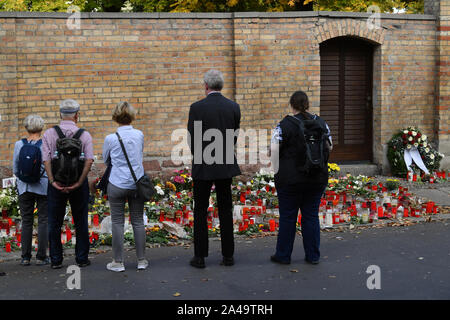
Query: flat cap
{"x":69,"y":106}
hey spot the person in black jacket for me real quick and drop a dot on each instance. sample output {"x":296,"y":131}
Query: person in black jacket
{"x":212,"y":125}
{"x":297,"y":188}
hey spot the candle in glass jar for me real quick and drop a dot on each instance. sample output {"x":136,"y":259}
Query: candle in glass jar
{"x":429,"y":207}
{"x":272,"y":225}
{"x":380,"y":212}
{"x":8,"y":247}
{"x":405,"y":213}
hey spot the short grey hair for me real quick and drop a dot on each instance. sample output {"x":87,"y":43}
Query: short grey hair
{"x":214,"y":79}
{"x":34,"y":123}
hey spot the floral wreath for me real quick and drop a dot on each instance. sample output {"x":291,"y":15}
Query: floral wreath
{"x":408,"y":139}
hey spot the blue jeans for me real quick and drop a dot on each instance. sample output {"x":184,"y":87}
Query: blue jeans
{"x":291,"y":198}
{"x":79,"y":201}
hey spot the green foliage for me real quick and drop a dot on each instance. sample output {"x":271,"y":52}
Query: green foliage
{"x":411,"y":6}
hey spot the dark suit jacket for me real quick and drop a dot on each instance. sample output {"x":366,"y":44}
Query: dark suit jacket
{"x":215,"y":112}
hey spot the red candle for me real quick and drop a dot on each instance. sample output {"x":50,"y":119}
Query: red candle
{"x":19,"y":237}
{"x":95,"y":220}
{"x":431,"y":179}
{"x":435,"y":209}
{"x":259,"y":202}
{"x":394,"y":211}
{"x":336,"y":219}
{"x":373,"y":206}
{"x":10,"y":222}
{"x":272,"y":225}
{"x":380,"y":212}
{"x":405,"y":213}
{"x":68,"y":234}
{"x":374,"y":188}
{"x":161,"y":216}
{"x":429,"y":207}
{"x":241,"y":227}
{"x":414,"y":177}
{"x":242,"y":197}
{"x":4,"y":214}
{"x":8,"y":247}
{"x":299,"y":220}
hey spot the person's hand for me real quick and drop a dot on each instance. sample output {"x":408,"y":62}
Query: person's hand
{"x":73,"y":187}
{"x":57,"y":186}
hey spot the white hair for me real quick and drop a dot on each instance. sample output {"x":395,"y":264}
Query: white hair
{"x":214,"y":79}
{"x":33,"y":123}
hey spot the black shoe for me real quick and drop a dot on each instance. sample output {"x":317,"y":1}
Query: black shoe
{"x":198,"y":262}
{"x":25,"y":262}
{"x":56,"y":265}
{"x":277,"y":260}
{"x":227,"y":261}
{"x":84,"y":264}
{"x":312,"y":262}
{"x":2,"y":274}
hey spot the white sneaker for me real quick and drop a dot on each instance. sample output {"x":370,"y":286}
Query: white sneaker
{"x":142,"y":264}
{"x":115,"y":266}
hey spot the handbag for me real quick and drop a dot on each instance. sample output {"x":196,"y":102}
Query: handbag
{"x":144,"y":186}
{"x":102,"y":185}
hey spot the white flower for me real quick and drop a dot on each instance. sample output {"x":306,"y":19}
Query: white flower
{"x":424,"y":137}
{"x":414,"y":133}
{"x":159,"y":190}
{"x":431,"y":156}
{"x":416,"y":144}
{"x":419,"y":140}
{"x":427,"y":150}
{"x":425,"y":144}
{"x":405,"y":131}
{"x":408,"y":146}
{"x":432,"y":162}
{"x":410,"y":138}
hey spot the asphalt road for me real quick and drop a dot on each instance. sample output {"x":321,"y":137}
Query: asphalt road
{"x":414,"y":263}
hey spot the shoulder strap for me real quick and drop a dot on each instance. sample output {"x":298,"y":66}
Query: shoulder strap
{"x":126,"y":157}
{"x":78,"y":134}
{"x":38,"y":143}
{"x":59,"y":132}
{"x":25,"y":141}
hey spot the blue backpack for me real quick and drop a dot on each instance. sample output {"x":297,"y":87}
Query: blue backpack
{"x":30,"y":162}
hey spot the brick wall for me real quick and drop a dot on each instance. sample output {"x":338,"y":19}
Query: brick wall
{"x":156,"y":61}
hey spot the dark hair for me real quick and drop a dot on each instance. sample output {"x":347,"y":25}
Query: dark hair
{"x":299,"y":101}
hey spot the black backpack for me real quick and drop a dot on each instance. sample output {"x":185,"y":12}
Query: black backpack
{"x":313,"y":137}
{"x":30,"y":162}
{"x":67,"y":164}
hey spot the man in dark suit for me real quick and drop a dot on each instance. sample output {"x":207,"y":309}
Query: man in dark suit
{"x":213,"y":127}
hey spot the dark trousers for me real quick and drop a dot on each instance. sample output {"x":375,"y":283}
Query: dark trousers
{"x":57,"y":201}
{"x":202,"y":191}
{"x":291,"y":198}
{"x":28,"y":201}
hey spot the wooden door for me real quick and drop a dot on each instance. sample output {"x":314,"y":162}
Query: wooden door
{"x":346,"y":97}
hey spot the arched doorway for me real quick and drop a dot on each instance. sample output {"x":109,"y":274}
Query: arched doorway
{"x":346,"y":78}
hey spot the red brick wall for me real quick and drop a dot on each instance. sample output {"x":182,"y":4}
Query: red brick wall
{"x":157,"y":63}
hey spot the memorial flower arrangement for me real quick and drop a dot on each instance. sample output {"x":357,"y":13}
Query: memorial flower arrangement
{"x":9,"y":202}
{"x":409,"y":139}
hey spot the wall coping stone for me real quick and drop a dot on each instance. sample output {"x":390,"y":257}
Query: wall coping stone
{"x":211,"y":15}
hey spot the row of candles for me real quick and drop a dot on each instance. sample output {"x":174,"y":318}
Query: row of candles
{"x":412,"y":177}
{"x":334,"y":209}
